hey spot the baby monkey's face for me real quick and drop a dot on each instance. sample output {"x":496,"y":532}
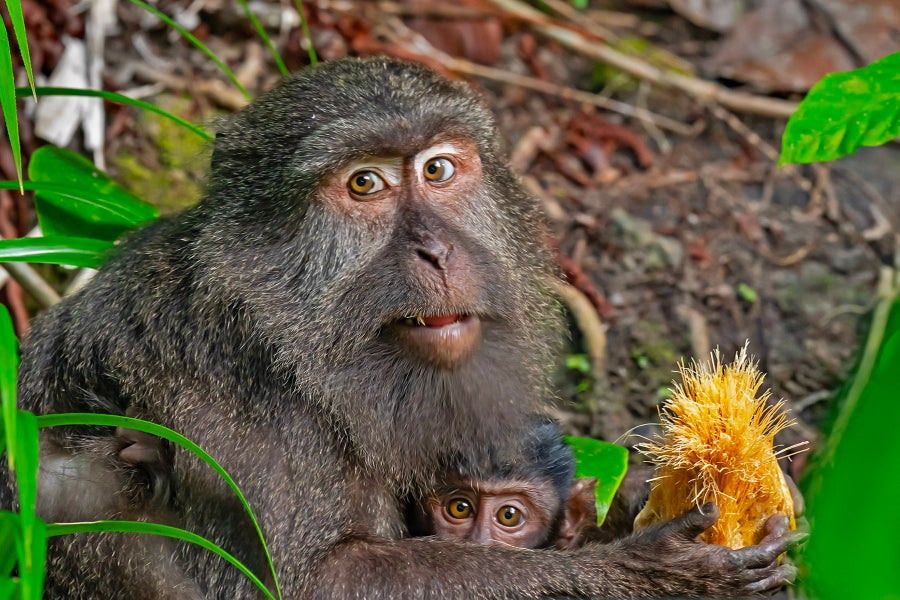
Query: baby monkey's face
{"x":516,"y":513}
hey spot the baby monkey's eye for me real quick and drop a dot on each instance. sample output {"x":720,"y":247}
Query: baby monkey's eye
{"x":438,"y":170}
{"x":509,"y":516}
{"x":459,"y":508}
{"x":363,"y":183}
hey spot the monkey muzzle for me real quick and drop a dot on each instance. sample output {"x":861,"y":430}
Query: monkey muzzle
{"x":444,"y":340}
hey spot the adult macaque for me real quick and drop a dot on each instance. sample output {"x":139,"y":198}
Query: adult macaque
{"x":357,"y":305}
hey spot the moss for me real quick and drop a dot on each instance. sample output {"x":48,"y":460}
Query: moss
{"x":170,"y":169}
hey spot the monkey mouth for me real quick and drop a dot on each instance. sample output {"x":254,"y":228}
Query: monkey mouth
{"x":446,"y":340}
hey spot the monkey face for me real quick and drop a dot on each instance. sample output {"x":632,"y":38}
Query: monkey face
{"x":515,"y":513}
{"x":422,"y":199}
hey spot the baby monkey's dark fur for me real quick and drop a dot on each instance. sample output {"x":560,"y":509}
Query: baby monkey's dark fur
{"x":262,"y":324}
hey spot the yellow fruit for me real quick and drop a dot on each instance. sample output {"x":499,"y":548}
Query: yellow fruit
{"x":717,"y":446}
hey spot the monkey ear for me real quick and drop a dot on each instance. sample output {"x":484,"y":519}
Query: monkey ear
{"x":580,"y":515}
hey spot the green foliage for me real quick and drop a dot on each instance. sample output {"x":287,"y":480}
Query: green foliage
{"x":8,"y":100}
{"x":604,"y":461}
{"x":313,"y":59}
{"x":80,"y":200}
{"x":844,"y":111}
{"x":746,"y":293}
{"x":118,"y":99}
{"x":54,"y":420}
{"x":156,"y":529}
{"x":57,"y":250}
{"x":9,"y":362}
{"x":854,"y":491}
{"x":264,"y":36}
{"x":196,"y":43}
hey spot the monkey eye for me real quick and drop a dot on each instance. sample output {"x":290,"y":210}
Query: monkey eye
{"x":459,"y":508}
{"x":363,"y":183}
{"x":438,"y":170}
{"x":509,"y":516}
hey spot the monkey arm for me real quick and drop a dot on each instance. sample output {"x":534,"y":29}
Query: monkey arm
{"x":660,"y":561}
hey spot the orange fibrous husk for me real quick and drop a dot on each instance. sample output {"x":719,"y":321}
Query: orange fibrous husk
{"x":717,"y":445}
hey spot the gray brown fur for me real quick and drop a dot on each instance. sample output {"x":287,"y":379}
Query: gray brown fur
{"x":252,"y":323}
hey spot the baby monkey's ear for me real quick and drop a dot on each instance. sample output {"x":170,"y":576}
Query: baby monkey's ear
{"x":580,"y":515}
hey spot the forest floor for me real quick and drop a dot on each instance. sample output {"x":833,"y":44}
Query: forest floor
{"x":678,"y":228}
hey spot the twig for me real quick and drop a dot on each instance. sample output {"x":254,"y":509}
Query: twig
{"x":460,"y":65}
{"x":706,"y":91}
{"x":588,"y":323}
{"x":28,"y":278}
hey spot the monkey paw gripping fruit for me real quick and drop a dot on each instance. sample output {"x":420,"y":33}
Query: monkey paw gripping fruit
{"x":717,"y":445}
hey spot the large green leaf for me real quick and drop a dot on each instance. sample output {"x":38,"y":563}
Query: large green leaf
{"x":9,"y":588}
{"x":854,"y":491}
{"x":168,"y":434}
{"x":8,"y":100}
{"x":77,"y":199}
{"x":31,"y":576}
{"x":9,"y":362}
{"x":607,"y":462}
{"x":845,"y":111}
{"x":57,"y":250}
{"x":55,"y":529}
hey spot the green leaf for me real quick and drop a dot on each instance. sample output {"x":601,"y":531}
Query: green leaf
{"x":196,"y":43}
{"x":117,"y":98}
{"x":578,"y":362}
{"x":33,"y":548}
{"x":57,"y":250}
{"x":607,"y":462}
{"x":855,"y":474}
{"x":747,"y":293}
{"x":844,"y":111}
{"x":74,"y":198}
{"x":156,"y":529}
{"x":18,"y":22}
{"x":9,"y":525}
{"x":31,"y":575}
{"x":9,"y":588}
{"x":8,"y":100}
{"x":9,"y":362}
{"x":168,"y":434}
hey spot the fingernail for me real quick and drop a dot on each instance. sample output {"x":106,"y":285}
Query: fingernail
{"x":708,"y":507}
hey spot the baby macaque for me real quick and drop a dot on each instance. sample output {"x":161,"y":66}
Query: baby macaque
{"x":536,"y":504}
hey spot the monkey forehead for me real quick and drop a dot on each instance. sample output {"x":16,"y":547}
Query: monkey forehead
{"x":344,"y":110}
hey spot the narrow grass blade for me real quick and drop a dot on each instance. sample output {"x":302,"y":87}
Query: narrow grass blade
{"x":57,"y":250}
{"x":55,"y":529}
{"x":8,"y":100}
{"x":260,"y":30}
{"x":9,"y":588}
{"x":197,"y":44}
{"x":18,"y":22}
{"x":26,"y":478}
{"x":168,"y":434}
{"x":118,"y":99}
{"x":31,"y":576}
{"x":9,"y":362}
{"x":313,"y":59}
{"x":9,"y":525}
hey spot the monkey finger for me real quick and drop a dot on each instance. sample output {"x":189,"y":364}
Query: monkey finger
{"x":783,"y":575}
{"x":775,"y":527}
{"x":139,"y":453}
{"x":692,"y":523}
{"x":767,"y":552}
{"x":796,"y":497}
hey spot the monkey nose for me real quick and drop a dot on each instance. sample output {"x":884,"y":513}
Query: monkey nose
{"x":435,"y":252}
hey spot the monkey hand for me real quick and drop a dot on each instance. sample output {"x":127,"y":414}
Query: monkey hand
{"x":681,"y":564}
